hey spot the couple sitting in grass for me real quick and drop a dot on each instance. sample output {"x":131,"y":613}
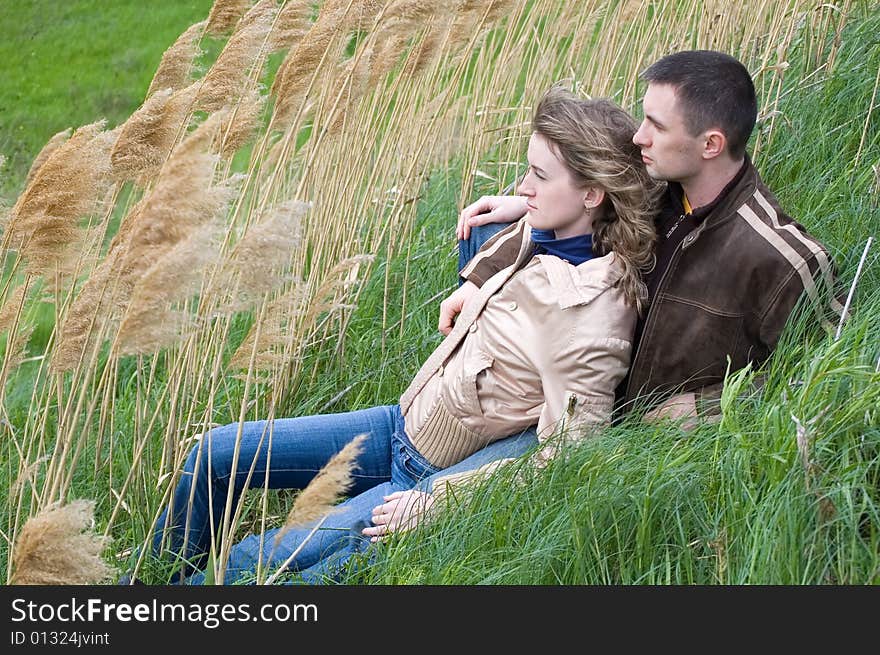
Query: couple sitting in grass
{"x":600,"y":286}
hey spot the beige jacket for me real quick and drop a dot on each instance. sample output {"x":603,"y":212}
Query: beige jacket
{"x":542,"y":342}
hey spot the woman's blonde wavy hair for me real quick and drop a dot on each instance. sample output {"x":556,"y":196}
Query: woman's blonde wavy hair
{"x":593,"y":138}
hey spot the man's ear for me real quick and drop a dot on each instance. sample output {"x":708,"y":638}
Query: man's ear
{"x":715,"y":143}
{"x":593,"y":197}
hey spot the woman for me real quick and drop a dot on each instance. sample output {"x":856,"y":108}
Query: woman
{"x":544,"y":341}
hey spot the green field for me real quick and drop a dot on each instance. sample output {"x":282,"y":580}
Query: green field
{"x":67,"y":64}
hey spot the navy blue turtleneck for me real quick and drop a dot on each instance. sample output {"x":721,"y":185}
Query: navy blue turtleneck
{"x":574,"y":250}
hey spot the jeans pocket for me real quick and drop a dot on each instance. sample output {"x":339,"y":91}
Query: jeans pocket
{"x":408,"y":462}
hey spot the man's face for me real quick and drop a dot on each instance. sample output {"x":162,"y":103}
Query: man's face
{"x":668,"y":149}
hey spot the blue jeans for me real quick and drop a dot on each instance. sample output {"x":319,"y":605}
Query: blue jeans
{"x":299,"y":448}
{"x":287,"y":453}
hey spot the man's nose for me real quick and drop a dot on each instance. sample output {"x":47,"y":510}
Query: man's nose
{"x":639,"y":136}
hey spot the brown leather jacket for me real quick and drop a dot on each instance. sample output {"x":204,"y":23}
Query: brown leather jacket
{"x":727,"y":292}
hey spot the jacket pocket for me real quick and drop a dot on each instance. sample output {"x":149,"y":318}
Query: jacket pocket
{"x":460,"y":393}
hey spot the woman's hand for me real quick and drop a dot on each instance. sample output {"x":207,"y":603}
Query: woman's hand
{"x":452,"y":306}
{"x":402,"y":510}
{"x":490,"y":209}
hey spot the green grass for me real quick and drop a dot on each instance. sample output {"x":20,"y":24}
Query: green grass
{"x":70,"y":63}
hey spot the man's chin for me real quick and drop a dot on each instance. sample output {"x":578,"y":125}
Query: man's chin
{"x":653,"y":173}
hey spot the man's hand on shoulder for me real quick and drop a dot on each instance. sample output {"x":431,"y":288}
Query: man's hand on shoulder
{"x":490,"y":209}
{"x":452,"y":306}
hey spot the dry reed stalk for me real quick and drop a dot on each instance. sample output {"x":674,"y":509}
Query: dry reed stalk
{"x":178,"y":61}
{"x":57,"y":546}
{"x":71,"y":183}
{"x":256,"y":265}
{"x":147,"y":137}
{"x":51,"y":146}
{"x":325,"y":490}
{"x":151,"y":322}
{"x":224,"y":15}
{"x":227,"y":79}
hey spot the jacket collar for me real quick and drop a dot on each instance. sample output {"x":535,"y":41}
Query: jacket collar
{"x":723,"y":208}
{"x":579,"y":285}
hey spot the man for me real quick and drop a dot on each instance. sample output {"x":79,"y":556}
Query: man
{"x":730,"y":264}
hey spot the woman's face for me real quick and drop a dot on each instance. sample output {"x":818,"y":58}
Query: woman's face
{"x":554,"y":201}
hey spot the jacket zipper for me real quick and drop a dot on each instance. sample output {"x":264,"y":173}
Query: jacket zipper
{"x":685,"y":243}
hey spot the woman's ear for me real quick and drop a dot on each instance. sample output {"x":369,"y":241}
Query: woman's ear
{"x":593,"y":197}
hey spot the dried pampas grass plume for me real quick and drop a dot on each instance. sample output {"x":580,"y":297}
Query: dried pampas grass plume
{"x":151,"y":321}
{"x":12,"y":307}
{"x":224,"y":15}
{"x":256,"y":264}
{"x":257,"y":13}
{"x":72,"y":183}
{"x":302,"y":62}
{"x":291,"y":25}
{"x":401,"y":22}
{"x":239,"y":125}
{"x":147,"y":137}
{"x":85,"y":317}
{"x":291,"y":318}
{"x":51,"y":146}
{"x":16,"y":349}
{"x":58,"y":547}
{"x":326,"y":488}
{"x":178,"y":61}
{"x":228,"y":77}
{"x":276,"y":328}
{"x":66,"y":184}
{"x":182,"y":199}
{"x":475,"y":15}
{"x":352,"y":79}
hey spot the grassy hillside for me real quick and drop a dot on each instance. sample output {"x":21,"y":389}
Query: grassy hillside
{"x":69,"y":63}
{"x":751,"y":499}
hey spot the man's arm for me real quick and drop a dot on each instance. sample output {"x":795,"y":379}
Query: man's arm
{"x":821,"y":301}
{"x":502,"y":249}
